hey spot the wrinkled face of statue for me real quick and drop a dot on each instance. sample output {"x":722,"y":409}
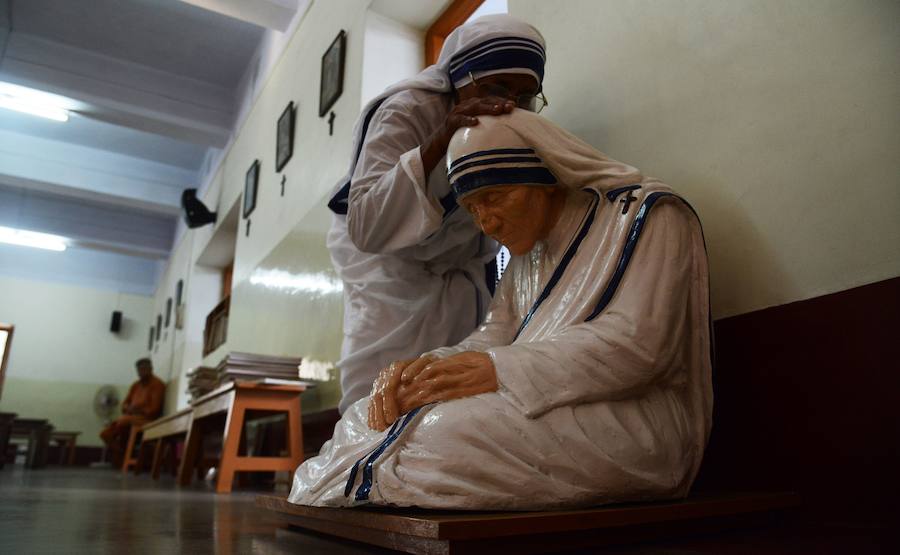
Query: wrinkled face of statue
{"x":517,"y":216}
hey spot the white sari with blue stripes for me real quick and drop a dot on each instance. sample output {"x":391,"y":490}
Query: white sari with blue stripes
{"x":601,"y":341}
{"x":412,"y":265}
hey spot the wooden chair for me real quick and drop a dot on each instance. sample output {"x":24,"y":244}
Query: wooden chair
{"x":66,"y":442}
{"x":235,"y":399}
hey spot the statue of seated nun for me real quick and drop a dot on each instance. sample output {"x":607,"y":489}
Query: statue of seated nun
{"x":589,"y":380}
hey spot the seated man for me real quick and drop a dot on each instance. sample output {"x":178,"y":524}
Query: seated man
{"x":589,"y":380}
{"x":143,"y":404}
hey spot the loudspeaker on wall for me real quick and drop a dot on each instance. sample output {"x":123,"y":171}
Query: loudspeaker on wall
{"x":116,"y":324}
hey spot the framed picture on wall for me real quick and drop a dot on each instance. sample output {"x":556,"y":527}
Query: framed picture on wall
{"x":251,"y":180}
{"x":332,"y":83}
{"x":215,"y":332}
{"x":284,"y":144}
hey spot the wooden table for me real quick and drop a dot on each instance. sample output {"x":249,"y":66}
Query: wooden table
{"x":38,"y":431}
{"x":445,"y":532}
{"x":6,"y":420}
{"x":66,"y":442}
{"x":161,"y":433}
{"x":235,"y":399}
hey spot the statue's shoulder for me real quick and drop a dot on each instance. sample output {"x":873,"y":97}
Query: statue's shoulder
{"x":416,"y":101}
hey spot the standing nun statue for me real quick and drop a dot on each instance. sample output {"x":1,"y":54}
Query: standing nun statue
{"x":412,"y":264}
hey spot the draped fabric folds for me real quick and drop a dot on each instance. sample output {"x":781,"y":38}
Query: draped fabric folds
{"x":397,"y":241}
{"x":601,"y":341}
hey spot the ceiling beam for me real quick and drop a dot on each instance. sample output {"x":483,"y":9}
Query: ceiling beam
{"x":120,"y":92}
{"x":269,"y":14}
{"x":91,"y":174}
{"x":87,"y":224}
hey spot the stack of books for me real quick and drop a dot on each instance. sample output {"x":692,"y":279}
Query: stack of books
{"x":202,"y":380}
{"x":248,"y":366}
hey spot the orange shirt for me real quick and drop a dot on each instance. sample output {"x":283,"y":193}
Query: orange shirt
{"x":146,"y":399}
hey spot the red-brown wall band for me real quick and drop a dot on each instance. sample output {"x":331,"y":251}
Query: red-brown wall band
{"x":807,"y":397}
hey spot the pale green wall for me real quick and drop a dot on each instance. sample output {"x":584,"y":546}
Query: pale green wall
{"x":67,"y":405}
{"x":63,"y":351}
{"x":779,"y":120}
{"x":292,"y":305}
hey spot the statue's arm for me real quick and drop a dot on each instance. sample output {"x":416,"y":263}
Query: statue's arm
{"x":389,"y":207}
{"x":499,"y":326}
{"x":637,"y":339}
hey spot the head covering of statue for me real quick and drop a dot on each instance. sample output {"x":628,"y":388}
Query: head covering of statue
{"x":488,"y":45}
{"x":511,"y":171}
{"x":523,"y":148}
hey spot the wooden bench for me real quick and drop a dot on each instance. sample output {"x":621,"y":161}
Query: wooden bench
{"x":37,"y":431}
{"x":66,"y":442}
{"x":443,"y":532}
{"x":6,"y":420}
{"x":129,"y":460}
{"x":234,"y":400}
{"x":160,"y":434}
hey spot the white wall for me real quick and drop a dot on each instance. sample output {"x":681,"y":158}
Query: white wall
{"x":63,"y":351}
{"x":780,"y":121}
{"x":319,"y":159}
{"x":167,"y":352}
{"x":392,"y":51}
{"x":204,"y":295}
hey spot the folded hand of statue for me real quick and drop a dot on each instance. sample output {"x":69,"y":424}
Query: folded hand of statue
{"x":461,"y":375}
{"x":383,"y":406}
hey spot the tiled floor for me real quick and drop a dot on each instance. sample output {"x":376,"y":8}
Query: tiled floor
{"x":99,"y":511}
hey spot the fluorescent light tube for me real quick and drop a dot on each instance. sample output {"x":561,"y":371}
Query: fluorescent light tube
{"x":32,"y":239}
{"x":34,"y":108}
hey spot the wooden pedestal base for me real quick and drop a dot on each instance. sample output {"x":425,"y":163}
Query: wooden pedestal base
{"x":443,"y":532}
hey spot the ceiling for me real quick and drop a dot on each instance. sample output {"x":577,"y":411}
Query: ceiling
{"x":168,"y":35}
{"x":152,"y":88}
